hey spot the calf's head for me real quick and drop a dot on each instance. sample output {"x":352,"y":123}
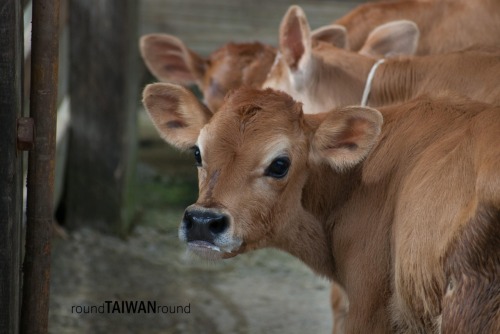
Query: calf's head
{"x":254,"y":158}
{"x":231,"y":66}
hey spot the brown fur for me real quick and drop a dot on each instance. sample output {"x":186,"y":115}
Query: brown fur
{"x":473,"y":290}
{"x":445,"y":25}
{"x":418,"y":216}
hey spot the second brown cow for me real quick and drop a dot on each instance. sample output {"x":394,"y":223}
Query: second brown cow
{"x":325,"y":76}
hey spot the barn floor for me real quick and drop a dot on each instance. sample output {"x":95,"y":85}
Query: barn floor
{"x":266,"y":291}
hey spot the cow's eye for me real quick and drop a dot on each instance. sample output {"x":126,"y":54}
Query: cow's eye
{"x":278,"y":168}
{"x":197,"y":155}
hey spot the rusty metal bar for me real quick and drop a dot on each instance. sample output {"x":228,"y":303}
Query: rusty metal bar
{"x":43,"y":97}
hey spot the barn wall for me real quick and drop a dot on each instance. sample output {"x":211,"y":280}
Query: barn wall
{"x":206,"y":25}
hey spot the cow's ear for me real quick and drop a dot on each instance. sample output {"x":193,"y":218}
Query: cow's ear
{"x":295,"y":39}
{"x":176,"y":113}
{"x":392,"y":39}
{"x":169,"y":60}
{"x":333,"y":34}
{"x":345,"y":137}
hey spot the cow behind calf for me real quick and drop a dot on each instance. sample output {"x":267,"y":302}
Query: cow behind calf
{"x":325,"y":76}
{"x":245,"y":64}
{"x":248,"y":64}
{"x":445,"y":25}
{"x":405,"y":216}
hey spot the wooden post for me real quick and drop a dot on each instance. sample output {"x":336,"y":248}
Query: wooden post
{"x":104,"y":100}
{"x":11,"y":175}
{"x":39,"y":211}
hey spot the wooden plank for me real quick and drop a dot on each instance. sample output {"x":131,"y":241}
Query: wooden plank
{"x":39,"y":211}
{"x":207,"y":25}
{"x":11,"y":57}
{"x":104,"y":99}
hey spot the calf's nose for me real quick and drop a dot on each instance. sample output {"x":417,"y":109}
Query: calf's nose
{"x":204,"y":225}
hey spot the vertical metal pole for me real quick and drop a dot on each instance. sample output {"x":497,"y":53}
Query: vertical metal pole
{"x":11,"y":174}
{"x":44,"y":74}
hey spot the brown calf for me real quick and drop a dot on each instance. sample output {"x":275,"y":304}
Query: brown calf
{"x":406,"y":217}
{"x":229,"y":67}
{"x":325,"y":77}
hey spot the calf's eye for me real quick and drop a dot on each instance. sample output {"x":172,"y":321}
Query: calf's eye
{"x":197,"y":155}
{"x":278,"y":168}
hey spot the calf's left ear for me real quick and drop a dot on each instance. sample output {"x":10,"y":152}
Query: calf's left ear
{"x":345,"y":137}
{"x":176,"y":113}
{"x":295,"y":39}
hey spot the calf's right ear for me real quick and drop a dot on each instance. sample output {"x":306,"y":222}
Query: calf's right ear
{"x":176,"y":113}
{"x":395,"y":38}
{"x":345,"y":137}
{"x":333,"y":34}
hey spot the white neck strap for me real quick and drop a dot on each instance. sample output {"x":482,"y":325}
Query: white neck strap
{"x":368,"y":86}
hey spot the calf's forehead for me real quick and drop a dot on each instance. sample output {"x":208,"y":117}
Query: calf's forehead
{"x":253,"y":120}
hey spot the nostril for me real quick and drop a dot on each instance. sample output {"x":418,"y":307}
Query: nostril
{"x":188,"y":221}
{"x":218,"y":225}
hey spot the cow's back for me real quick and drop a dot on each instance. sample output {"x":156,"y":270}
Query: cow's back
{"x":472,"y":72}
{"x":445,"y":25}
